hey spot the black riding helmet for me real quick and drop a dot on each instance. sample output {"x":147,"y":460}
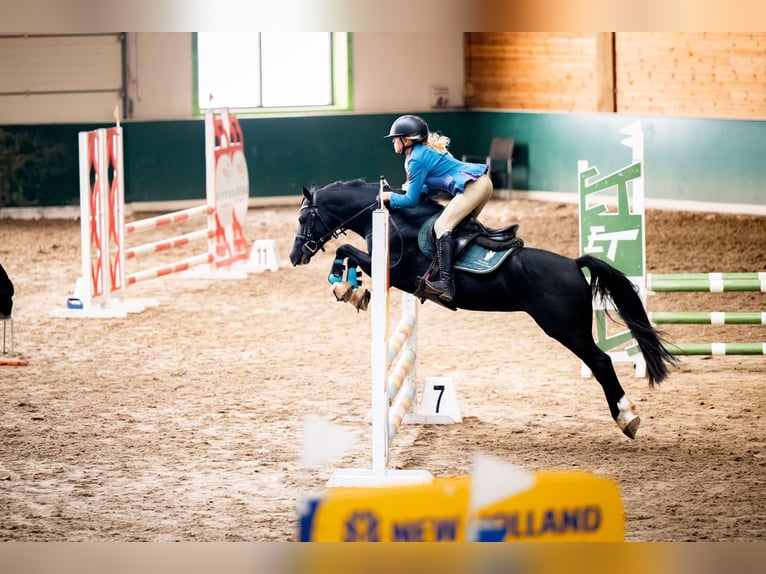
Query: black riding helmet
{"x":411,"y":127}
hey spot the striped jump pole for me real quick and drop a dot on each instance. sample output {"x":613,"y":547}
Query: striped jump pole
{"x":708,"y":317}
{"x":169,"y":218}
{"x":717,"y":348}
{"x":706,"y":282}
{"x":172,"y":243}
{"x":177,"y":267}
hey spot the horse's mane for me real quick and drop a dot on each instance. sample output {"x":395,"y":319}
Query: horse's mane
{"x":358,"y":182}
{"x":425,"y":208}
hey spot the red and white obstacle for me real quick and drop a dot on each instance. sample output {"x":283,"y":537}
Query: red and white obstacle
{"x":394,"y":377}
{"x":101,"y":290}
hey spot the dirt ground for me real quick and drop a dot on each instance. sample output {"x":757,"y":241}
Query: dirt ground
{"x":183,"y":423}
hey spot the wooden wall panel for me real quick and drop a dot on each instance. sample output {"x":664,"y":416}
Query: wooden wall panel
{"x":712,"y":75}
{"x":606,"y":90}
{"x":718,"y":75}
{"x":530,"y":71}
{"x":60,"y":77}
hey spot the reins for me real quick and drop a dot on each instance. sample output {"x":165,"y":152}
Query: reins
{"x":401,"y":242}
{"x":311,"y":246}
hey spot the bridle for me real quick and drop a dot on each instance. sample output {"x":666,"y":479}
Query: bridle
{"x":310,"y":246}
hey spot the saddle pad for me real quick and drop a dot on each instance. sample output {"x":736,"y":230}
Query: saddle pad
{"x":473,"y":259}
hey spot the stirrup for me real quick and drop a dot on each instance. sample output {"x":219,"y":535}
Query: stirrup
{"x":433,"y":289}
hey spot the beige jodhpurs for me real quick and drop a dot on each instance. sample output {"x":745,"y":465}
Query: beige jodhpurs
{"x":471,"y":201}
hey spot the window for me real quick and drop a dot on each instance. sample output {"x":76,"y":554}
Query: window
{"x":271,"y":70}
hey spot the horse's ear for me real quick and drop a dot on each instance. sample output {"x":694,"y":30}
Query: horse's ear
{"x":306,"y":193}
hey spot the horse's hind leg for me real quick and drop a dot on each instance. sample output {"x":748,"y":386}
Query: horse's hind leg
{"x":622,"y":409}
{"x":562,"y":306}
{"x":576,"y":336}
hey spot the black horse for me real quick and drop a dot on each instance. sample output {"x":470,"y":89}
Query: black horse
{"x":551,"y":288}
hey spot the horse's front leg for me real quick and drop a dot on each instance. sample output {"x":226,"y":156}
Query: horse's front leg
{"x":348,"y":290}
{"x":356,"y":257}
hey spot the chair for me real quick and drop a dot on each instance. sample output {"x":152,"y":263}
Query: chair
{"x":499,"y":160}
{"x":6,"y":319}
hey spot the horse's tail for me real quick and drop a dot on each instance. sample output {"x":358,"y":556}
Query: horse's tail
{"x":608,"y":282}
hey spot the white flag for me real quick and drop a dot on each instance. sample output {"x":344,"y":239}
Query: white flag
{"x":493,"y":480}
{"x":323,"y":441}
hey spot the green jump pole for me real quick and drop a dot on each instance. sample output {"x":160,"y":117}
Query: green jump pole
{"x":717,"y":348}
{"x":708,"y":318}
{"x":689,"y":276}
{"x":714,"y":282}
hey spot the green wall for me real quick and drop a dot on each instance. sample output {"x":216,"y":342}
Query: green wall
{"x":39,"y":165}
{"x":685,"y":158}
{"x":165,"y":160}
{"x":690,"y":159}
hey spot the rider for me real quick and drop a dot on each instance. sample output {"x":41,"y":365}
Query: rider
{"x":432,"y":170}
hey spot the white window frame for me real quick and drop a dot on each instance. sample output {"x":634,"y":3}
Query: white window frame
{"x":338,"y":67}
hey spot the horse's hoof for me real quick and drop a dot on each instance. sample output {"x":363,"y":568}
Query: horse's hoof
{"x":360,"y":299}
{"x":631,"y":428}
{"x":342,"y":291}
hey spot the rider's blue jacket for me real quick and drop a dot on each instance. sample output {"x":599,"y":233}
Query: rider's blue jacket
{"x":431,"y":172}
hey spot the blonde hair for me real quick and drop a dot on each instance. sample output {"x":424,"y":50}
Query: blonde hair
{"x":437,"y":142}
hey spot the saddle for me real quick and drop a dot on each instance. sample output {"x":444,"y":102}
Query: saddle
{"x":500,"y":239}
{"x":478,"y":249}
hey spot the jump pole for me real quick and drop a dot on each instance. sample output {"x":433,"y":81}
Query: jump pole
{"x":708,"y":317}
{"x":706,"y":282}
{"x":709,"y":349}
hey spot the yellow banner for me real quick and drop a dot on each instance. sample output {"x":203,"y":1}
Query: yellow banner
{"x":560,"y":506}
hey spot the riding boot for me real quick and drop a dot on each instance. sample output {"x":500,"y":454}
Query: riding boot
{"x":444,"y":287}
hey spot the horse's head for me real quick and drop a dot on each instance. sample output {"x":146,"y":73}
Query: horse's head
{"x":308,"y":237}
{"x":326,"y":213}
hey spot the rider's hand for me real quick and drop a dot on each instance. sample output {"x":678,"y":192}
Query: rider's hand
{"x":385,"y":197}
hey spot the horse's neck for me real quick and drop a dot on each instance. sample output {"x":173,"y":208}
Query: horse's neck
{"x":355,"y":215}
{"x":405,"y":222}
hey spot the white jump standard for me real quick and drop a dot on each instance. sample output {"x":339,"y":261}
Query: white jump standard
{"x":394,"y":376}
